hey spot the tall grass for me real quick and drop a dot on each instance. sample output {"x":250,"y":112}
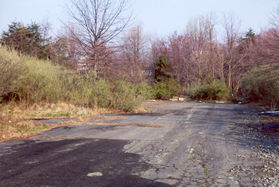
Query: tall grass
{"x":28,"y":80}
{"x":10,"y":72}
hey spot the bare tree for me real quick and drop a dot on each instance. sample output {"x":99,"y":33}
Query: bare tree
{"x":275,"y":18}
{"x":231,"y":26}
{"x":267,"y":49}
{"x":71,"y":50}
{"x":270,"y":40}
{"x":201,"y":33}
{"x":179,"y":53}
{"x":134,"y":50}
{"x":97,"y":23}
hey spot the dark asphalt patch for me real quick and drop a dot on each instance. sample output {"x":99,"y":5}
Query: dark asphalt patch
{"x":54,"y":121}
{"x":68,"y":163}
{"x":153,"y":114}
{"x":270,"y":129}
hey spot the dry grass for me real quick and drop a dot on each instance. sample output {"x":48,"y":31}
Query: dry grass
{"x":46,"y":110}
{"x":15,"y":128}
{"x":16,"y":119}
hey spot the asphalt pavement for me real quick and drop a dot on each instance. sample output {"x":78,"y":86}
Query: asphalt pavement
{"x":175,"y":144}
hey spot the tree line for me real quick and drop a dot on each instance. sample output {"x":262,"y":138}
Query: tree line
{"x":101,"y":40}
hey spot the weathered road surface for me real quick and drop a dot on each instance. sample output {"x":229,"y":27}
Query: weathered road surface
{"x":180,"y":144}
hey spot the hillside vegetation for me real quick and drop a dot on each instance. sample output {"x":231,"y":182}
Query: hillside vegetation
{"x":28,"y":80}
{"x":32,"y":88}
{"x":86,"y":67}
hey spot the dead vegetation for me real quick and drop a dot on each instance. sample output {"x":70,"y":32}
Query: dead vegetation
{"x":17,"y":121}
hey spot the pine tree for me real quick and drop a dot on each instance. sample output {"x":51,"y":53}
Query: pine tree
{"x":163,"y":71}
{"x":166,"y":86}
{"x":28,"y":40}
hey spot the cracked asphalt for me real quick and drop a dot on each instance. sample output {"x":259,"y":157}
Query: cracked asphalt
{"x":177,"y":144}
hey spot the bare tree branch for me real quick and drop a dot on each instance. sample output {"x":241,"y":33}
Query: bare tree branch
{"x":97,"y":23}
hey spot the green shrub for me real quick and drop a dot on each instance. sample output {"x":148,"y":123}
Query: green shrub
{"x":124,"y":96}
{"x":216,"y":90}
{"x":30,"y":80}
{"x":144,"y":91}
{"x":78,"y":89}
{"x":102,"y":94}
{"x":166,"y":90}
{"x":10,"y":74}
{"x":261,"y":85}
{"x":161,"y":90}
{"x":174,"y":87}
{"x":41,"y":81}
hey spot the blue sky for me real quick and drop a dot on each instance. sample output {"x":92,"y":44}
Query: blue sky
{"x":157,"y":17}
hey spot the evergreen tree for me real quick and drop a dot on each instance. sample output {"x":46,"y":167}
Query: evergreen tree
{"x":246,"y":41}
{"x":250,"y":35}
{"x":163,"y":71}
{"x":28,"y":40}
{"x":166,"y":86}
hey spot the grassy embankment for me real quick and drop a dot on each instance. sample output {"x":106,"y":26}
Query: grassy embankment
{"x":32,"y":88}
